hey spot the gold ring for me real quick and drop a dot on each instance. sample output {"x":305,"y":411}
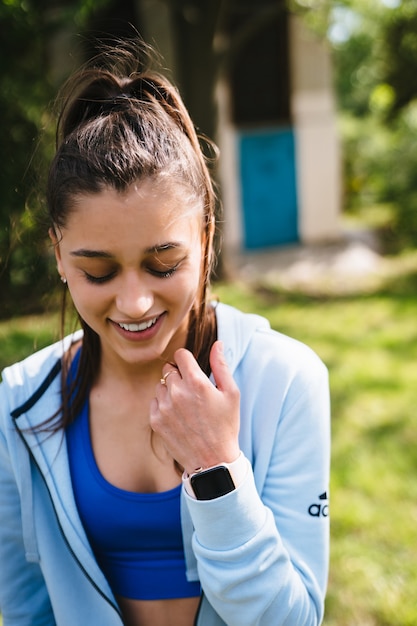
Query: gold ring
{"x":165,"y":376}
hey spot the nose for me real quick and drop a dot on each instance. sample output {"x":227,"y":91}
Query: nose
{"x":135,"y":296}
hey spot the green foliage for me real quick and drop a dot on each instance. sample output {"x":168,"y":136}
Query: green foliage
{"x":354,"y":76}
{"x":400,"y":54}
{"x":20,"y":336}
{"x":29,"y":32}
{"x":21,"y":95}
{"x":380,"y":168}
{"x":375,"y":66}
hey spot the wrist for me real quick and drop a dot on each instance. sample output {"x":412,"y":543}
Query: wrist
{"x":211,"y":482}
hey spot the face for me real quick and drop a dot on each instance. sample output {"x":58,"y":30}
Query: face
{"x":132,"y":262}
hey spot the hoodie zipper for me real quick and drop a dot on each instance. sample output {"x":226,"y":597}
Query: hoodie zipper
{"x":198,"y":609}
{"x":73,"y":554}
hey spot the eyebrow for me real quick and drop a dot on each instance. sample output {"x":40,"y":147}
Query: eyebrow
{"x":103,"y":254}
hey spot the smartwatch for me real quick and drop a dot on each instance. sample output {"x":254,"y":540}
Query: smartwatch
{"x":212,"y":483}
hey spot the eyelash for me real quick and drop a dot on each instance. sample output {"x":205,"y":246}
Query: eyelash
{"x":166,"y":273}
{"x":97,"y":280}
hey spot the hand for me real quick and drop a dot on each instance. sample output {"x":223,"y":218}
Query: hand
{"x":198,"y":422}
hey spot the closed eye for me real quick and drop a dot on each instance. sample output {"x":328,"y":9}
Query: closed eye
{"x":97,"y":280}
{"x":164,"y":273}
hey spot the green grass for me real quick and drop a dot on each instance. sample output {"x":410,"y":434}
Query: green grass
{"x":23,"y":335}
{"x":369,"y":343}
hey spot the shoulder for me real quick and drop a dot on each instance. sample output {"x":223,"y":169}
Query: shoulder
{"x":251,"y":343}
{"x":279,"y":348}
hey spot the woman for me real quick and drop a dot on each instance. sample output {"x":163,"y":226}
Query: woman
{"x":168,"y":464}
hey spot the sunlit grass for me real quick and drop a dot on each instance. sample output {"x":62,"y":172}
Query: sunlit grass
{"x":22,"y":335}
{"x":369,"y":343}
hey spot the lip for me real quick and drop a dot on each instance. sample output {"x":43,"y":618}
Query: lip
{"x":139,"y":335}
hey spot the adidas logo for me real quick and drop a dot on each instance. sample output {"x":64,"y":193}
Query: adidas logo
{"x":320,"y":509}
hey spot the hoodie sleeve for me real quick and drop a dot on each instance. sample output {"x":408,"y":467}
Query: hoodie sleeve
{"x":262,"y":550}
{"x":24,"y":600}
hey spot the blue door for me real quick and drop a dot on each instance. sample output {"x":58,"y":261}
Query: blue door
{"x":268,"y":187}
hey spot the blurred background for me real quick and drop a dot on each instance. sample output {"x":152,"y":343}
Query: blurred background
{"x":313,"y":104}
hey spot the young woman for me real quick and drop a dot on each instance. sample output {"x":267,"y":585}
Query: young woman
{"x":168,"y":464}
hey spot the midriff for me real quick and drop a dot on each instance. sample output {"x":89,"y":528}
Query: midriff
{"x":177,"y":612}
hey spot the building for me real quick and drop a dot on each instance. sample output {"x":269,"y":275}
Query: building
{"x":280,"y":166}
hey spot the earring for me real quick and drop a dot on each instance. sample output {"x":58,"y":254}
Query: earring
{"x":64,"y":280}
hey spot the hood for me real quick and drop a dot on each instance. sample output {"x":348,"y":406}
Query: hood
{"x":236,"y":329}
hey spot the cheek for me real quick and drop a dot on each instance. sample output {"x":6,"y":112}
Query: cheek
{"x":87,"y":299}
{"x":184,"y":290}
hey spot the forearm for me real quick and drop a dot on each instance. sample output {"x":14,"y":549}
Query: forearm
{"x":246,"y":571}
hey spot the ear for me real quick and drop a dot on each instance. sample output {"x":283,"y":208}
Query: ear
{"x":57,"y":250}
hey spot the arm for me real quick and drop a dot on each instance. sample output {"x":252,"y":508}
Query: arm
{"x":262,"y":558}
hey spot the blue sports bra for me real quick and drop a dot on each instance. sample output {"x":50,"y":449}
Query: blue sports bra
{"x":136,"y":537}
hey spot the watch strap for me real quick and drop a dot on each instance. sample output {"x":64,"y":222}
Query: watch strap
{"x":238,"y":470}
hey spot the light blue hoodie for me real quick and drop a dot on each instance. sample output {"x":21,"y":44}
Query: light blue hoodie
{"x":260,"y":552}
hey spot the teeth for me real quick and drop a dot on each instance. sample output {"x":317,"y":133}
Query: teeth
{"x":134,"y":328}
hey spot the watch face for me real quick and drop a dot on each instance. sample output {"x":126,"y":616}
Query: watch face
{"x":212,"y":483}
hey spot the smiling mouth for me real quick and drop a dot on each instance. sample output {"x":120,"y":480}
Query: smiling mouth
{"x":137,"y":328}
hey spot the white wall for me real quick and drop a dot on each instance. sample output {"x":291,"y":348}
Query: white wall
{"x":229,"y":172}
{"x":317,"y":145}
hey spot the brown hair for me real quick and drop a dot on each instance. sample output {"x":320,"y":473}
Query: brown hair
{"x":121,"y":122}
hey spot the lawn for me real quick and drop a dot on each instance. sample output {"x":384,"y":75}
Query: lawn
{"x":369,"y":343}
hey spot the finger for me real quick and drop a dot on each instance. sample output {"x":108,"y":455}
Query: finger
{"x":165,"y":376}
{"x":220,"y":369}
{"x":187,"y":365}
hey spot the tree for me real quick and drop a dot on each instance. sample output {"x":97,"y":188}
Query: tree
{"x":27,"y":84}
{"x":19,"y":99}
{"x":399,"y":33}
{"x":375,"y":64}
